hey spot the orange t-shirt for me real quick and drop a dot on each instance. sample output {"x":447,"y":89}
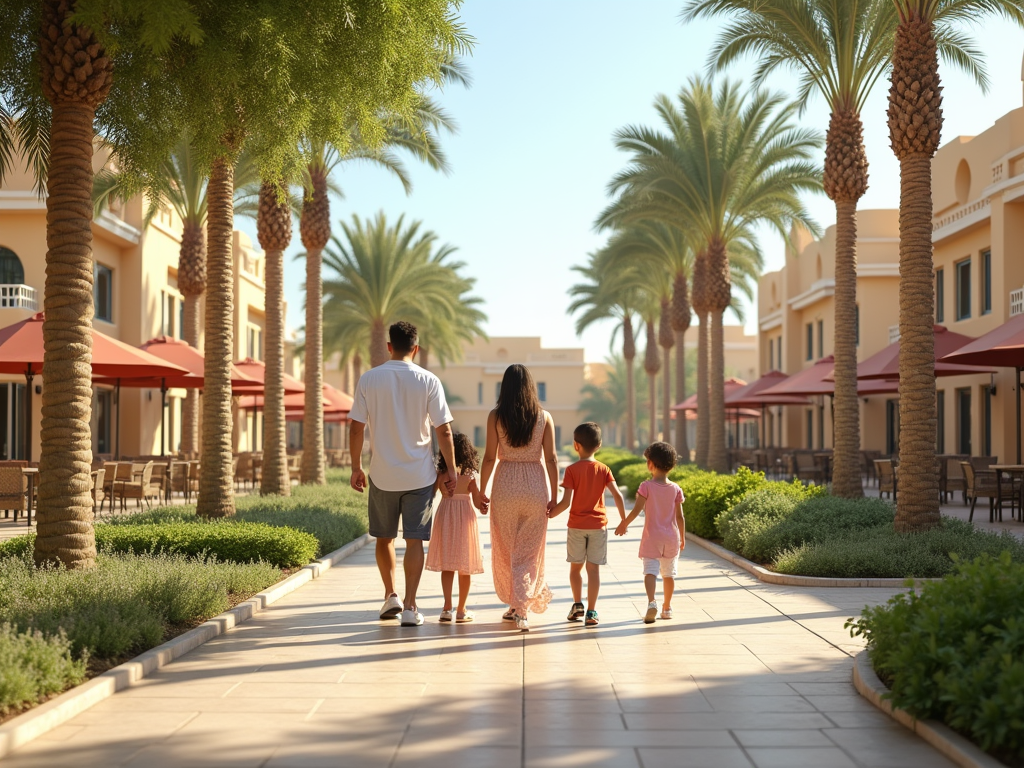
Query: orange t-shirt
{"x":587,"y":480}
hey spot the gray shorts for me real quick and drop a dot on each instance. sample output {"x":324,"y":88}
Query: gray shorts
{"x":587,"y":545}
{"x":414,"y":508}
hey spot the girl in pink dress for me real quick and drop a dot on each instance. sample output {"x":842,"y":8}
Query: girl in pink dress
{"x":521,"y":437}
{"x":454,"y":537}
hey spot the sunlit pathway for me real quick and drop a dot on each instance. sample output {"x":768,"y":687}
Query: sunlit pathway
{"x":745,"y":675}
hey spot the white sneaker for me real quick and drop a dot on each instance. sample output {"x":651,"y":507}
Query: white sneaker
{"x":652,"y":613}
{"x":522,"y":624}
{"x":446,"y":616}
{"x":391,"y":608}
{"x":411,"y":618}
{"x":666,"y":614}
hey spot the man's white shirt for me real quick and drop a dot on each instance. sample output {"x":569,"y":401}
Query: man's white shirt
{"x":400,"y":403}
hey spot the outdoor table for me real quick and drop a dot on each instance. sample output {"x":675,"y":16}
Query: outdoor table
{"x":1010,"y":469}
{"x":30,"y":473}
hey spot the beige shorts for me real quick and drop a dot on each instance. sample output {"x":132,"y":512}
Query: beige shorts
{"x":665,"y":565}
{"x":587,"y":545}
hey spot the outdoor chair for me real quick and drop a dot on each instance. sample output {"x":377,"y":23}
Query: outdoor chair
{"x":243,"y":469}
{"x":295,"y":468}
{"x":140,"y":487}
{"x":177,"y":479}
{"x":983,"y":462}
{"x":98,"y":494}
{"x":807,"y":467}
{"x":13,"y":490}
{"x":951,"y":478}
{"x":160,"y":479}
{"x":982,"y":484}
{"x":886,"y":472}
{"x":193,"y":477}
{"x":867,"y":459}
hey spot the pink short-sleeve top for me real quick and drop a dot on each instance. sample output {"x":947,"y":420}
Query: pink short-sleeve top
{"x":661,"y":536}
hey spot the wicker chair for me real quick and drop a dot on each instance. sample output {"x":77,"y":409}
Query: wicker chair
{"x":140,"y":487}
{"x":807,"y":467}
{"x":193,"y":477}
{"x":161,"y":479}
{"x":177,"y":479}
{"x":982,"y":484}
{"x":243,"y":469}
{"x":886,"y":477}
{"x":13,"y":490}
{"x":98,"y":494}
{"x":951,"y":479}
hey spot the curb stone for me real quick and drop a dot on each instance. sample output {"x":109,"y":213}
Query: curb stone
{"x":950,"y":743}
{"x":789,"y":580}
{"x":55,"y":712}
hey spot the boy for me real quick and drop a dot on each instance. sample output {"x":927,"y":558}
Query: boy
{"x":587,"y":543}
{"x":661,"y":501}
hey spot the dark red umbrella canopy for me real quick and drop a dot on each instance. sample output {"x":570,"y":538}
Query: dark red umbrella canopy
{"x":690,"y":403}
{"x":752,"y":395}
{"x":809,"y":381}
{"x":1002,"y":347}
{"x":21,"y":352}
{"x":188,"y":357}
{"x":256,"y":370}
{"x":885,"y":364}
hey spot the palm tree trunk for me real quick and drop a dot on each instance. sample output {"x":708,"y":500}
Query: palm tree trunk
{"x":64,"y":532}
{"x":651,"y":365}
{"x":629,"y":355}
{"x":190,"y":406}
{"x":313,"y":471}
{"x":717,"y":458}
{"x":357,"y":370}
{"x":846,"y":479}
{"x":915,"y":123}
{"x":652,"y":392}
{"x":424,"y":361}
{"x":681,"y":439}
{"x":703,"y":400}
{"x":666,"y":339}
{"x":378,"y":343}
{"x":216,"y":479}
{"x":274,"y":227}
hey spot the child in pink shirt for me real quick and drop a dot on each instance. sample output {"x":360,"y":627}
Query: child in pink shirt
{"x":661,"y":501}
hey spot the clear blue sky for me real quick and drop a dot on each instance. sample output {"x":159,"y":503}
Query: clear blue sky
{"x":552,"y":80}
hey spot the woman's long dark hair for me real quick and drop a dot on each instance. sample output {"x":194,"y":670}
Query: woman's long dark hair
{"x":518,"y":406}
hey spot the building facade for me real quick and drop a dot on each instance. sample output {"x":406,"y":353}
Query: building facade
{"x":136,"y":298}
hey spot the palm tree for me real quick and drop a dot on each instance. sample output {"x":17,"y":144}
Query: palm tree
{"x":915,"y":123}
{"x":445,"y":328}
{"x":179,"y":183}
{"x":385,"y":273}
{"x":726,"y":162}
{"x":840,"y":50}
{"x":652,"y":364}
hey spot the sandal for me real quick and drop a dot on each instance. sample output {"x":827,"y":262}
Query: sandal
{"x":509,"y":615}
{"x":591,"y":620}
{"x":467,"y":617}
{"x":446,"y":615}
{"x":521,"y":623}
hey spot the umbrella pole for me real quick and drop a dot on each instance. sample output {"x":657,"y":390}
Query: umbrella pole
{"x":117,"y":422}
{"x":163,"y":417}
{"x":28,"y":414}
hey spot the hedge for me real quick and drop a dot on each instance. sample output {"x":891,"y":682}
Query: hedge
{"x":955,"y":652}
{"x":707,"y":495}
{"x":33,"y":666}
{"x":618,"y":458}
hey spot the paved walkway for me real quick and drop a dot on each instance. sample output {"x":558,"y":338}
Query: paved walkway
{"x":746,"y":675}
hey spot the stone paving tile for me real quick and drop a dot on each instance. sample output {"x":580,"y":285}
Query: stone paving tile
{"x":746,"y":675}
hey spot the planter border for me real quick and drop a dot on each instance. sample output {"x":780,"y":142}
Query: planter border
{"x":790,"y":580}
{"x":55,"y":712}
{"x":950,"y":743}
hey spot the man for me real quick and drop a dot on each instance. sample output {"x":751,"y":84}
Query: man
{"x":400,"y":402}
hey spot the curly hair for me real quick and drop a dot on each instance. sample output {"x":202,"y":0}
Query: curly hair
{"x":465,"y":455}
{"x":518,"y":407}
{"x":661,"y":455}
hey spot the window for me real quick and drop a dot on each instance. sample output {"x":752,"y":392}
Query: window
{"x":810,"y":341}
{"x":940,"y":421}
{"x":892,"y":427}
{"x":986,"y":285}
{"x":771,"y":352}
{"x":478,"y":435}
{"x":821,"y":426}
{"x":856,"y":329}
{"x":170,"y":323}
{"x":103,"y":292}
{"x":181,"y":319}
{"x":11,"y":271}
{"x":778,"y":350}
{"x":254,"y":342}
{"x":986,"y":420}
{"x":821,"y":340}
{"x":940,"y":292}
{"x":102,"y":409}
{"x":963,"y":289}
{"x":809,"y":434}
{"x":542,"y":391}
{"x":963,"y":421}
{"x":497,"y":390}
{"x":479,"y":396}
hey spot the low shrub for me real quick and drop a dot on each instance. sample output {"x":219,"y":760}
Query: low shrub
{"x":618,"y":458}
{"x":955,"y":652}
{"x":631,"y":476}
{"x":709,"y":494}
{"x":881,"y":552}
{"x":33,"y":666}
{"x":814,"y":520}
{"x":126,"y":602}
{"x":760,"y":510}
{"x":239,"y":542}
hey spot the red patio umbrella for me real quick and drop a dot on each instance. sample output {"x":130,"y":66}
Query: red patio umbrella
{"x":21,"y":352}
{"x":752,"y":396}
{"x":690,"y":403}
{"x":1002,"y":347}
{"x":257,"y":370}
{"x":885,"y":364}
{"x":809,"y":381}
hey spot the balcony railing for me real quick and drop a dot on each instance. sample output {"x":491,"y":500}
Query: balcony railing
{"x":1017,"y":302}
{"x":18,"y":297}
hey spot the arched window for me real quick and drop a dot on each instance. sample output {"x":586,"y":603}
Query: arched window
{"x":11,"y":271}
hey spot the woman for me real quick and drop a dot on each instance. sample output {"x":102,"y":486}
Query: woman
{"x":519,"y":434}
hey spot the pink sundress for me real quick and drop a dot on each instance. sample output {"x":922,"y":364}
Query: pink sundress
{"x":454,"y":535}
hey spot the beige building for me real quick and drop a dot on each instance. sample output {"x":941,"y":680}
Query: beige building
{"x":472,"y":385}
{"x":978,"y":225}
{"x":136,"y":299}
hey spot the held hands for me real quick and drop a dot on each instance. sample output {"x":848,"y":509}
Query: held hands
{"x":552,"y":510}
{"x":483,"y":503}
{"x":450,"y":483}
{"x":358,"y":480}
{"x":622,"y":529}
